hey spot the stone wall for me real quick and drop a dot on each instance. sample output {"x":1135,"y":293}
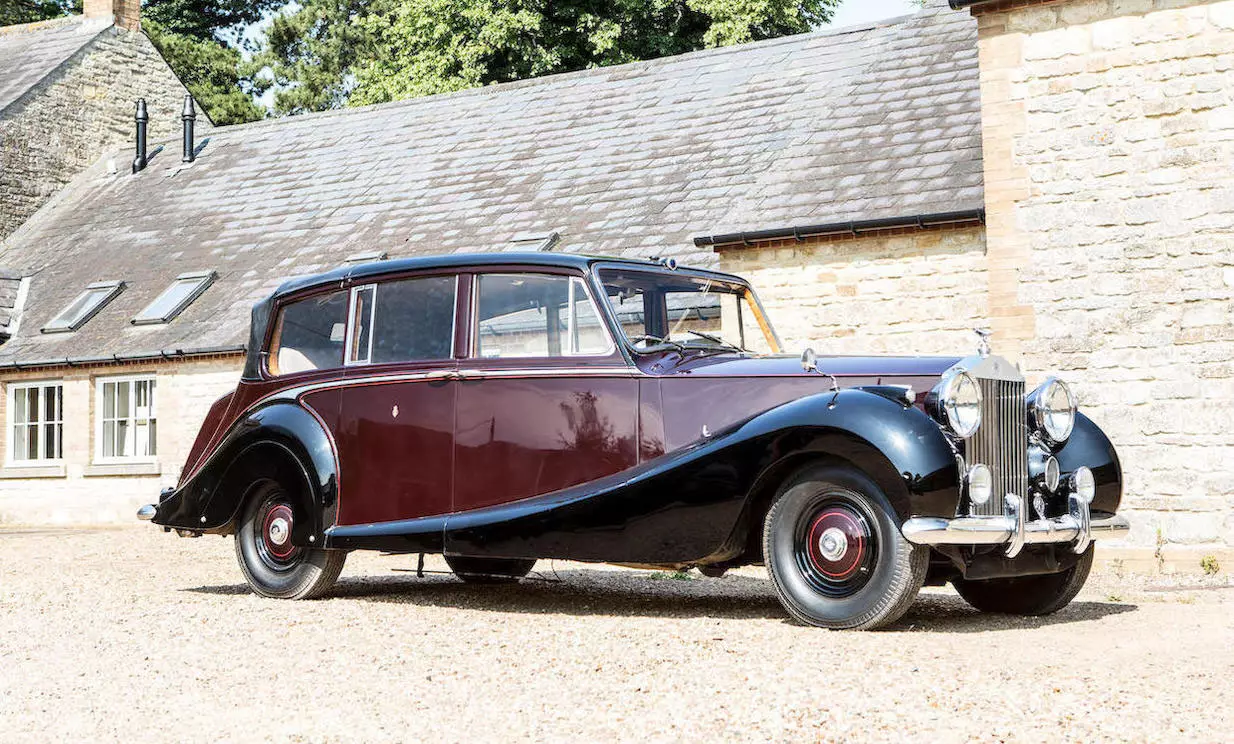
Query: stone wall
{"x":80,"y":492}
{"x":1109,"y":151}
{"x":910,"y":292}
{"x":85,"y":109}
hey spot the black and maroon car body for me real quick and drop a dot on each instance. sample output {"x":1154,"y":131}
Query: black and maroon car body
{"x":502,"y":408}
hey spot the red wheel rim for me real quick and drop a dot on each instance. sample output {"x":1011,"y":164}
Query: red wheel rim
{"x":836,"y":543}
{"x":276,"y":532}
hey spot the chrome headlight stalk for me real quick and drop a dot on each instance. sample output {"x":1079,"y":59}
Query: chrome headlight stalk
{"x":956,"y":403}
{"x":1051,"y":411}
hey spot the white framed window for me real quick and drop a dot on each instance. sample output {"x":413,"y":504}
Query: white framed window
{"x":35,"y":422}
{"x":174,"y":299}
{"x":127,"y":420}
{"x":84,"y":307}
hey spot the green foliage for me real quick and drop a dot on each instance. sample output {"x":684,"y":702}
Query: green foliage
{"x":330,"y":53}
{"x":1209,"y":565}
{"x":13,"y":12}
{"x":216,"y":74}
{"x":203,"y":19}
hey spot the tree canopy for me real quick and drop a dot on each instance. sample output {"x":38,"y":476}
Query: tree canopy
{"x":323,"y":54}
{"x":331,"y":53}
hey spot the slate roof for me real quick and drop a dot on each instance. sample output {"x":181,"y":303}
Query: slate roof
{"x":633,"y":160}
{"x":32,"y":51}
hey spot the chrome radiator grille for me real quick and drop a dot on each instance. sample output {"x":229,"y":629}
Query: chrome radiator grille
{"x":1001,"y":442}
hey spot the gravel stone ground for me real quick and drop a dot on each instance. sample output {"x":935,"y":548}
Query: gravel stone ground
{"x":133,"y":635}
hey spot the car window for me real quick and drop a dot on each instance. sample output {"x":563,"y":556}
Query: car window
{"x":402,"y":321}
{"x":538,"y":315}
{"x":309,"y":334}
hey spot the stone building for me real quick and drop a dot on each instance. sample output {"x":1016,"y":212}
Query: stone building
{"x":67,"y":93}
{"x":1059,"y":171}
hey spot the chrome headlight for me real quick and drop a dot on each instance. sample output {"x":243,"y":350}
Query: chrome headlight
{"x":1051,"y":410}
{"x":959,"y":403}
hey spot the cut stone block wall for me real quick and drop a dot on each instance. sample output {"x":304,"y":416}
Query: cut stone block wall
{"x":1109,"y":158}
{"x":911,"y":292}
{"x":83,"y":110}
{"x":80,"y":492}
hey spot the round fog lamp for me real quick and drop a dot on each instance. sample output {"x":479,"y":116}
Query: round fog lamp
{"x":1083,"y":484}
{"x":980,"y":484}
{"x":1051,"y":475}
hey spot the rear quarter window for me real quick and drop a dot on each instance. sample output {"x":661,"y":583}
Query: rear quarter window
{"x":309,"y":334}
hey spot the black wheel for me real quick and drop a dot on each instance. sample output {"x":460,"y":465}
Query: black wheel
{"x":1028,"y":595}
{"x":272,"y":566}
{"x":833,"y":547}
{"x":473,"y":570}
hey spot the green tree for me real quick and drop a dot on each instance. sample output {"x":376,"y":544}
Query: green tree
{"x":330,"y":53}
{"x":13,"y":12}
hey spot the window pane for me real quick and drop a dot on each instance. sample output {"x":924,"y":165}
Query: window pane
{"x":415,"y":320}
{"x":519,"y":315}
{"x":124,"y":447}
{"x":109,"y":400}
{"x":82,"y":307}
{"x":20,"y":409}
{"x":173,"y":300}
{"x":20,"y":449}
{"x":309,"y":334}
{"x":124,"y":392}
{"x":362,"y":322}
{"x":51,"y":441}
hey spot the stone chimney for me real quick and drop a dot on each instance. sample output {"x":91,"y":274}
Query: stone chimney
{"x":125,"y":13}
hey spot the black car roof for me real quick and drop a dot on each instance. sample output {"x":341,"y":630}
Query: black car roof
{"x":377,"y":269}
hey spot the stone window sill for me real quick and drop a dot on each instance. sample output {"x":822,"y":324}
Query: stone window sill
{"x":122,"y":468}
{"x":33,"y":471}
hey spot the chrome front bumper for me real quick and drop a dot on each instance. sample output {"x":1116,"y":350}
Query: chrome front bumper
{"x":1015,"y":531}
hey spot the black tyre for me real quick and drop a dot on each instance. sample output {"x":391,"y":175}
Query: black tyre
{"x":833,"y":547}
{"x":1028,"y":595}
{"x":473,"y":570}
{"x":272,"y":566}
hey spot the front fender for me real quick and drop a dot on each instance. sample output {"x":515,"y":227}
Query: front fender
{"x":1088,"y":445}
{"x":281,"y":439}
{"x":899,"y":446}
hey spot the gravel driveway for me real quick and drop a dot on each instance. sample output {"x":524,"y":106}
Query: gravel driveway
{"x":133,"y":635}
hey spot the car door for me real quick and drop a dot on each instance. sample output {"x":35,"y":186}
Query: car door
{"x":396,"y":413}
{"x":545,"y":401}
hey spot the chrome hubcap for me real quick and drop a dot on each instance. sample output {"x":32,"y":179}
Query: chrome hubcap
{"x":833,"y":544}
{"x":279,"y":531}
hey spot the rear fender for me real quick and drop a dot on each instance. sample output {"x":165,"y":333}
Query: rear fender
{"x":282,"y":440}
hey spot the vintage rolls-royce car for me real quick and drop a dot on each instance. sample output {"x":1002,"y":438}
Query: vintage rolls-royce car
{"x":503,"y":408}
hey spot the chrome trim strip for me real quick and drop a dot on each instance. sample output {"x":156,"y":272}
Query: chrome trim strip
{"x":430,"y":376}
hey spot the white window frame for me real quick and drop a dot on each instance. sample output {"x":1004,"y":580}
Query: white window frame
{"x":10,"y":396}
{"x":99,"y":408}
{"x":108,"y":292}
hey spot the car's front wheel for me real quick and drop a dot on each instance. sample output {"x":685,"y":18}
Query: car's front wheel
{"x":1028,"y":595}
{"x":272,"y":565}
{"x":833,"y":547}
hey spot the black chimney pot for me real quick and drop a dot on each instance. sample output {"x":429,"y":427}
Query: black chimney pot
{"x":139,"y":162}
{"x":189,"y":116}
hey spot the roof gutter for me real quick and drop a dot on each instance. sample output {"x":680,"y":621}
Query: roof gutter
{"x":855,"y":228}
{"x":161,"y":356}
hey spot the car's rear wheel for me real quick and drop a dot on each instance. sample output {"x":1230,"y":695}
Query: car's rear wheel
{"x":835,"y":554}
{"x":272,"y":565}
{"x":475,"y":570}
{"x":1028,"y":595}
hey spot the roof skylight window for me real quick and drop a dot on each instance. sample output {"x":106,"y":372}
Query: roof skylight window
{"x":177,"y":297}
{"x":84,"y":307}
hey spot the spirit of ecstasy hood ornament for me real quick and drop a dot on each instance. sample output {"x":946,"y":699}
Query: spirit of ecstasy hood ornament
{"x":983,"y":342}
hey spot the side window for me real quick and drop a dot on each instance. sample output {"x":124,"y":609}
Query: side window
{"x":309,"y":334}
{"x":538,"y":315}
{"x":402,"y":321}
